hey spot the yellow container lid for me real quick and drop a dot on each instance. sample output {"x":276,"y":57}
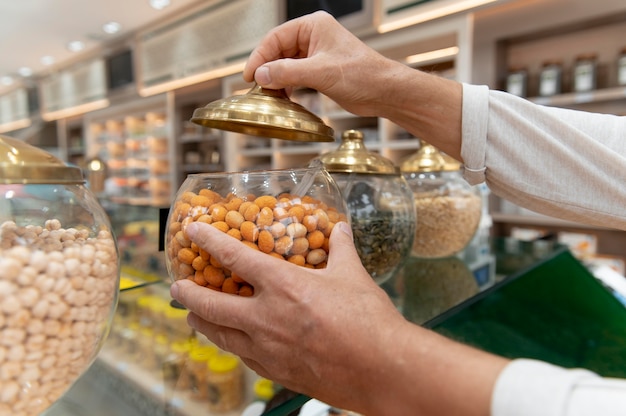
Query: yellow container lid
{"x":263,"y":389}
{"x":201,"y":353}
{"x":181,"y":346}
{"x":175,"y":313}
{"x":223,"y":363}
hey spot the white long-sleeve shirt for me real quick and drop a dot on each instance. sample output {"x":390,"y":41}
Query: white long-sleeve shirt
{"x":563,"y":163}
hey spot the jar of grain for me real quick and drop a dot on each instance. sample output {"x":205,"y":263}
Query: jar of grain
{"x":448,"y":209}
{"x":59,"y":277}
{"x":225,"y":383}
{"x":380,"y":203}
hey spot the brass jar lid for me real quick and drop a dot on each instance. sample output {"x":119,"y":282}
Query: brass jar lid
{"x":429,"y":159}
{"x":21,"y":163}
{"x":353,"y":157}
{"x":266,"y":113}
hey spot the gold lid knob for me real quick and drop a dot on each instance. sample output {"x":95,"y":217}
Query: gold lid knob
{"x":352,"y":156}
{"x":265,"y":113}
{"x":429,"y":159}
{"x":27,"y":164}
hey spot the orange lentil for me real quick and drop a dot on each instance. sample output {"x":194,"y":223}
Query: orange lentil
{"x":266,"y":201}
{"x":187,"y":196}
{"x":246,"y":290}
{"x":278,"y":229}
{"x":186,"y":255}
{"x":213,"y":275}
{"x":235,"y":233}
{"x":310,"y":222}
{"x":175,"y":227}
{"x":322,"y":218}
{"x":283,"y":245}
{"x":201,"y":200}
{"x":265,"y":218}
{"x":296,"y":230}
{"x":316,"y":256}
{"x":252,"y":212}
{"x":297,"y":212}
{"x":204,"y":254}
{"x":298,"y":259}
{"x":250,"y":244}
{"x":230,"y":286}
{"x":329,"y":229}
{"x":234,"y":219}
{"x":199,"y":263}
{"x":316,"y":239}
{"x":300,"y":245}
{"x":218,"y":212}
{"x":206,"y":218}
{"x":234,"y":204}
{"x":280,"y":213}
{"x":237,"y":278}
{"x":244,"y":206}
{"x":215,"y":262}
{"x":182,"y":240}
{"x":265,"y":241}
{"x":249,"y":231}
{"x":221,"y":225}
{"x":198,"y":277}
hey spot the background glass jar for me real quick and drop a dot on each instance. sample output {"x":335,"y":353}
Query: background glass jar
{"x":380,"y":202}
{"x":287,"y":213}
{"x":59,"y":280}
{"x":448,"y":209}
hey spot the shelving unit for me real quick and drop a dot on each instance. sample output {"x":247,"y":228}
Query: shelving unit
{"x":134,"y":143}
{"x":589,"y":29}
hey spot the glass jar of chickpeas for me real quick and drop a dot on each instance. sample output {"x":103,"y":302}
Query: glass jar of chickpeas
{"x":60,"y":277}
{"x":288,"y":214}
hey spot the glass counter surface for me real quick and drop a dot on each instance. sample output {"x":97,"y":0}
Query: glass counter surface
{"x":541,"y":303}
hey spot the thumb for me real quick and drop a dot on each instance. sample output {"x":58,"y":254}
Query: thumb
{"x":284,"y":73}
{"x":341,"y":246}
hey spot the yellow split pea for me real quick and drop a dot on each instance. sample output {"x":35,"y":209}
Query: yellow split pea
{"x":289,"y":227}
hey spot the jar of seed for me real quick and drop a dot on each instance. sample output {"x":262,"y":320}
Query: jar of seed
{"x":380,"y":202}
{"x":448,"y":209}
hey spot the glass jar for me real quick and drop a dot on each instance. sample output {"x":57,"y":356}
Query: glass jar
{"x":59,"y":281}
{"x":550,"y":79}
{"x":286,"y":213}
{"x":585,"y":73}
{"x":448,"y":209}
{"x":380,"y":203}
{"x":199,"y":357}
{"x":225,"y":383}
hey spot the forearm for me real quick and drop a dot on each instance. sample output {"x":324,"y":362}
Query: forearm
{"x":426,"y":105}
{"x":424,"y":373}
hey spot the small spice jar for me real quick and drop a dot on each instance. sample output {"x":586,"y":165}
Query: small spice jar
{"x":225,"y":383}
{"x":199,"y":357}
{"x":174,"y":364}
{"x":380,"y":203}
{"x":585,"y":73}
{"x":448,"y":209}
{"x":517,"y":82}
{"x":550,"y":78}
{"x":621,"y":67}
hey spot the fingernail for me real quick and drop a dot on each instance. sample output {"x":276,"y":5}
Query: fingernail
{"x":191,"y":230}
{"x":345,"y":227}
{"x":262,"y":75}
{"x":174,"y":290}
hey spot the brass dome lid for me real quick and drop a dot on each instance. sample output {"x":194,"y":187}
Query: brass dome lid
{"x":21,"y":163}
{"x":353,"y":157}
{"x":265,"y":113}
{"x":429,"y":159}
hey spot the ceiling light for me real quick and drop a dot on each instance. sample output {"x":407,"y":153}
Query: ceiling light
{"x":438,"y":9}
{"x":111,"y":27}
{"x":6,"y":80}
{"x":159,"y":4}
{"x":75,"y":46}
{"x":47,"y":60}
{"x":25,"y":71}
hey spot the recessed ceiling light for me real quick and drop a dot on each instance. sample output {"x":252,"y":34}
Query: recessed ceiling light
{"x":111,"y":27}
{"x":47,"y":60}
{"x":6,"y":80}
{"x":75,"y":46}
{"x":25,"y":71}
{"x":159,"y":4}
